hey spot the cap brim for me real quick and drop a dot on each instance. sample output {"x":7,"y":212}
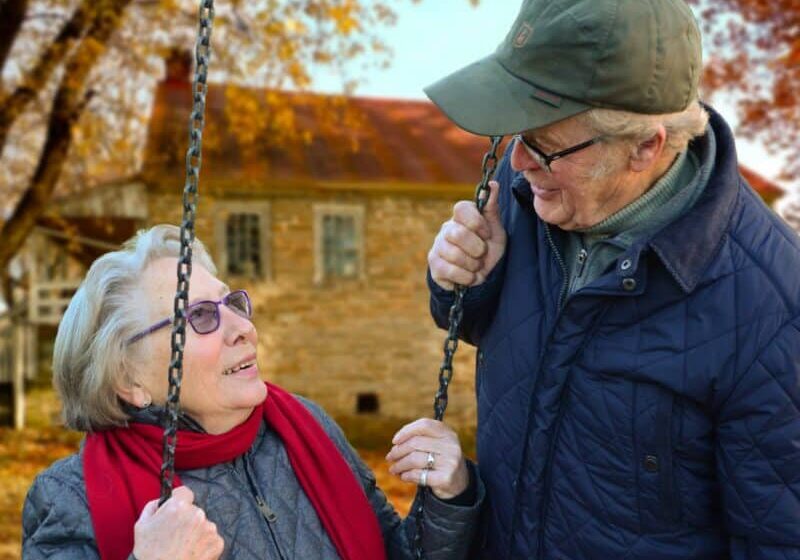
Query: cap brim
{"x":485,"y":99}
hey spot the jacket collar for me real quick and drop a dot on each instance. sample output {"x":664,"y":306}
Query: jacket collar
{"x":155,"y":415}
{"x":688,"y":244}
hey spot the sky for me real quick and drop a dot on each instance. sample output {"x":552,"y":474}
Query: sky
{"x":435,"y":37}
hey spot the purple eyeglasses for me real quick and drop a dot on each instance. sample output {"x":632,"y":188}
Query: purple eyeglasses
{"x":204,"y":316}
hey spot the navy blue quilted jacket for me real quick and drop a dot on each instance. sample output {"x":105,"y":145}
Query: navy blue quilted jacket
{"x":655,"y":413}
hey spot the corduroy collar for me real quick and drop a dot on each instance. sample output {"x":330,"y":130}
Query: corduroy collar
{"x":687,"y":245}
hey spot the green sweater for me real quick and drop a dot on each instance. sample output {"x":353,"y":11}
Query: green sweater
{"x":589,"y":253}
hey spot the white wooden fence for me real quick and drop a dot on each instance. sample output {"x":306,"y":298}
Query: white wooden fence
{"x":18,"y":359}
{"x":18,"y":337}
{"x":49,"y":300}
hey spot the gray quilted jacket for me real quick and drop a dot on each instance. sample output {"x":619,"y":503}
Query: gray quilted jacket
{"x":57,"y":525}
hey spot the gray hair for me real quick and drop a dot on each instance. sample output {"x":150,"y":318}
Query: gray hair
{"x":91,"y":357}
{"x":634,"y":128}
{"x":681,"y":127}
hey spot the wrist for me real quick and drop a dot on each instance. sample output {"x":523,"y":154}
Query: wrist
{"x":469,"y":496}
{"x":461,"y":480}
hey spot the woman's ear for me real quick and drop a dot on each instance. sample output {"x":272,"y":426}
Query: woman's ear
{"x":135,"y":394}
{"x":647,"y":153}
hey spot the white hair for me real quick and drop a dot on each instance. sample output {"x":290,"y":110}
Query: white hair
{"x":91,"y":357}
{"x":633,"y":128}
{"x":681,"y":127}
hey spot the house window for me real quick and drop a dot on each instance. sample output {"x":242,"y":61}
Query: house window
{"x":339,"y":250}
{"x":339,"y":242}
{"x":242,"y":239}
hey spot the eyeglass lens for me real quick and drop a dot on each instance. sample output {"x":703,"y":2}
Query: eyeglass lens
{"x":204,"y":315}
{"x":533,"y":152}
{"x":540,"y":161}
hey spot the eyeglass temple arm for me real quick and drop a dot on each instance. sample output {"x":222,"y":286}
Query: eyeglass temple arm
{"x":154,"y":328}
{"x":574,"y":149}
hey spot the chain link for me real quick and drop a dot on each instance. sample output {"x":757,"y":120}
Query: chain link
{"x":451,"y":342}
{"x":193,"y":161}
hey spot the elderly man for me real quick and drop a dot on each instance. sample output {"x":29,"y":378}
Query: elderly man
{"x":635,"y":305}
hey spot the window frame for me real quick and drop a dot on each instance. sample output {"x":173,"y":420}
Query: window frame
{"x":261,"y":208}
{"x":355,"y":211}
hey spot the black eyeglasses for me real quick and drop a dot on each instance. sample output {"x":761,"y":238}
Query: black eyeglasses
{"x":544,"y":160}
{"x":204,"y":316}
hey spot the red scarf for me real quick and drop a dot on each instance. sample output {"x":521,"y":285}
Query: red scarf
{"x":121,"y":467}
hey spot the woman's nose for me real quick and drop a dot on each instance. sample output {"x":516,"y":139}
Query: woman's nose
{"x":235,"y":326}
{"x":522,"y":160}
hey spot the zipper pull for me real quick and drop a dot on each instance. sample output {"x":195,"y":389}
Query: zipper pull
{"x":268,"y":514}
{"x":582,"y":255}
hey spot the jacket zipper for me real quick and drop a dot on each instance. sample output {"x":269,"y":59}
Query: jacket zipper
{"x":266,"y":512}
{"x":561,"y":297}
{"x":582,"y":258}
{"x":561,"y":302}
{"x":548,"y":470}
{"x":565,"y":284}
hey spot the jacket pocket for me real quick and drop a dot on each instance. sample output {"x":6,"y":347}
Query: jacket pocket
{"x":654,"y":461}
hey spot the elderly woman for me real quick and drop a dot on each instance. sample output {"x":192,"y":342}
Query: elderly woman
{"x":260,"y":473}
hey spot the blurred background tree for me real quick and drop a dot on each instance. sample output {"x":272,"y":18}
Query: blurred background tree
{"x":77,"y":76}
{"x":753,"y":55}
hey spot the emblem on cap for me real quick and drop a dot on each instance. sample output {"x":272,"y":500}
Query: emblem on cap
{"x":524,"y":33}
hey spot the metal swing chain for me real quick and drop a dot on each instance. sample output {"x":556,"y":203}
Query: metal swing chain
{"x":451,"y":342}
{"x":193,"y":161}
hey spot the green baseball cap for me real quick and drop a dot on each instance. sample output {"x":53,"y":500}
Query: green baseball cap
{"x":563,"y":57}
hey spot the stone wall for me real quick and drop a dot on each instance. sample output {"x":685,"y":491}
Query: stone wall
{"x":331,"y":341}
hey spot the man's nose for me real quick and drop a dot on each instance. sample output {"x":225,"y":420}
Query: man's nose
{"x":522,"y":160}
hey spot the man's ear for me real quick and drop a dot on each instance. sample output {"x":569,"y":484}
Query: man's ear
{"x":648,"y":152}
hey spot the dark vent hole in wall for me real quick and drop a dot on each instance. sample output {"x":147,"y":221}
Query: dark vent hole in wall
{"x":367,"y":403}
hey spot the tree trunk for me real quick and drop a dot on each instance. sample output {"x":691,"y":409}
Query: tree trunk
{"x":69,"y":102}
{"x":12,"y":14}
{"x":12,"y":106}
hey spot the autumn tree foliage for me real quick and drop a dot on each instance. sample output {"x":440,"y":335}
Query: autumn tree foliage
{"x":754,"y":54}
{"x":75,"y":77}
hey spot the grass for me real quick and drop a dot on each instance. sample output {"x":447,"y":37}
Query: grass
{"x":25,"y":453}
